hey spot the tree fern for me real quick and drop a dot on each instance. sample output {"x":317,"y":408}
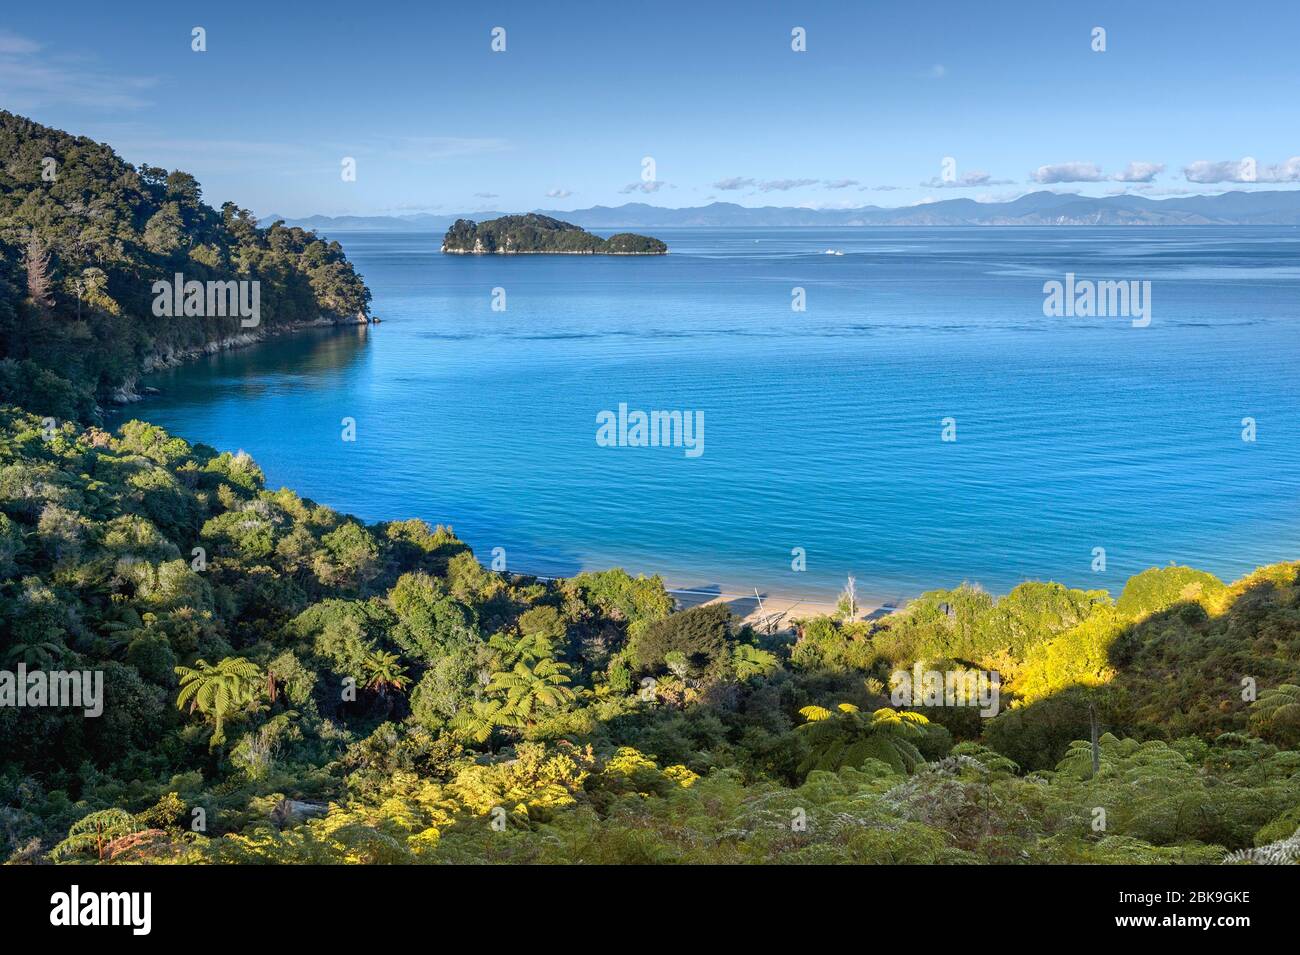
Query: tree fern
{"x":849,"y":738}
{"x":95,"y":831}
{"x":218,"y":691}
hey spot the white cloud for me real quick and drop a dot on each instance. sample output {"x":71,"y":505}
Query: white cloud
{"x":967,"y":181}
{"x":1091,"y":172}
{"x":12,"y":43}
{"x":784,"y":185}
{"x":430,"y":148}
{"x":1231,"y":170}
{"x":202,"y":157}
{"x":840,"y":183}
{"x":1139,"y":172}
{"x":558,"y":193}
{"x":1068,"y":172}
{"x":1285,"y":171}
{"x":653,"y":185}
{"x":32,"y":79}
{"x":736,"y":183}
{"x":1242,"y":170}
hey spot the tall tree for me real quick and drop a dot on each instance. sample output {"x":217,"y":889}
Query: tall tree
{"x":39,"y":285}
{"x":384,"y":672}
{"x":848,"y":602}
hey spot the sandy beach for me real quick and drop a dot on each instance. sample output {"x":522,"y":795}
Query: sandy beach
{"x":776,"y":610}
{"x":769,"y":610}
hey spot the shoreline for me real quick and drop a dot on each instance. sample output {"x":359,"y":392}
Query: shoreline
{"x":446,"y":251}
{"x":775,"y":612}
{"x":765,"y":611}
{"x":127,"y":393}
{"x":760,"y":609}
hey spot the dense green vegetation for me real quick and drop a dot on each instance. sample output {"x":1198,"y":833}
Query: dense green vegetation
{"x":537,"y":233}
{"x":83,"y":237}
{"x":312,"y":689}
{"x":283,"y":683}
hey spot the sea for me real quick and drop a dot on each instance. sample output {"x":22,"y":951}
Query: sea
{"x":892,"y":404}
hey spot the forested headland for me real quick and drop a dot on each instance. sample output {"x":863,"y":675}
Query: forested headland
{"x":286,"y":683}
{"x":85,"y":235}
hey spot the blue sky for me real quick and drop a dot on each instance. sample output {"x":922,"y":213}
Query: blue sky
{"x":436,"y":121}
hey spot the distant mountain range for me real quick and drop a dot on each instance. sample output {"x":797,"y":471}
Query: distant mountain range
{"x":1275,"y":207}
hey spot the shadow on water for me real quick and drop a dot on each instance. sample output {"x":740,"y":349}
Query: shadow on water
{"x":312,"y":358}
{"x":694,"y":596}
{"x":741,"y":605}
{"x":537,"y":559}
{"x":492,"y":535}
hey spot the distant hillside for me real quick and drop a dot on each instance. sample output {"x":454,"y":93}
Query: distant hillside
{"x":1276,"y":207}
{"x":421,"y":222}
{"x":1035,"y":209}
{"x":538,"y":234}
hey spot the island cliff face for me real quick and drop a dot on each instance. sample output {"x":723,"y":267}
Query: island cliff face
{"x":534,"y":234}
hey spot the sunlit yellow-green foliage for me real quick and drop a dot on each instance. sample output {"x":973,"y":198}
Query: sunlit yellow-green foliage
{"x":287,"y":684}
{"x":1081,"y":655}
{"x":1078,"y":657}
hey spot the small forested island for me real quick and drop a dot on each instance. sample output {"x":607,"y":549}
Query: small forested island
{"x":538,"y":234}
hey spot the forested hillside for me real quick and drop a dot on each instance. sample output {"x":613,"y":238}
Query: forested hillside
{"x":83,"y":237}
{"x":284,"y":683}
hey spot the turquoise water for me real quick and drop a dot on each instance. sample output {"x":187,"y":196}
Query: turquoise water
{"x":823,"y":427}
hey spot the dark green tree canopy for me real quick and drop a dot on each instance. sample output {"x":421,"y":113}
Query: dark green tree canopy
{"x":83,"y":240}
{"x":538,"y":233}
